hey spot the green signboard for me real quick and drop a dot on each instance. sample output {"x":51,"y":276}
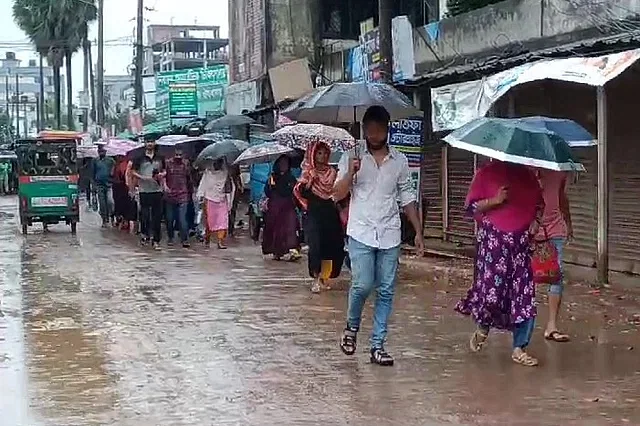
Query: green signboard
{"x":183,"y":100}
{"x":175,"y":94}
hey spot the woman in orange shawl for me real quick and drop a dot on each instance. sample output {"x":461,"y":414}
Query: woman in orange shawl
{"x":323,"y":230}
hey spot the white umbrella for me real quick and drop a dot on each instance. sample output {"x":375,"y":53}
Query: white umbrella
{"x":263,"y":153}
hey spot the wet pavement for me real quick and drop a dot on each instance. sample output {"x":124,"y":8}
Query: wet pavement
{"x":95,"y":330}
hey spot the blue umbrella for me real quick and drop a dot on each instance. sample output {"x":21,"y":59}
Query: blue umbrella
{"x":571,"y":132}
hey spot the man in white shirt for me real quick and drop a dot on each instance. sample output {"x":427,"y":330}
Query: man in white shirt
{"x":377,"y":176}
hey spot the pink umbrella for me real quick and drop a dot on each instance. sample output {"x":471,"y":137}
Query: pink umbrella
{"x":120,"y":147}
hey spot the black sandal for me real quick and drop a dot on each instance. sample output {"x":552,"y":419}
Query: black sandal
{"x":381,"y":357}
{"x":349,"y":341}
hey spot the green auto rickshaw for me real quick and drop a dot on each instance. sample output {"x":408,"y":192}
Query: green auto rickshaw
{"x":48,"y":179}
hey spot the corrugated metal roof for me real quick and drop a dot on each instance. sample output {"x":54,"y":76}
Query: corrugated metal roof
{"x":497,"y":63}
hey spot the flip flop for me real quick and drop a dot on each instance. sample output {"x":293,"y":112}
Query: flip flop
{"x":524,"y":358}
{"x":556,"y":336}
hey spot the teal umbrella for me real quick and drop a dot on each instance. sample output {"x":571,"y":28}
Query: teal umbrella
{"x":515,"y":141}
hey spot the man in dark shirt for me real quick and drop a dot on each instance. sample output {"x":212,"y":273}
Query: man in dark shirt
{"x":150,"y":172}
{"x":177,"y":197}
{"x":102,"y":178}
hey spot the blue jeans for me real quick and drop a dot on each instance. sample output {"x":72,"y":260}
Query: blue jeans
{"x":105,"y":202}
{"x":177,"y":218}
{"x":522,"y":333}
{"x":557,"y":288}
{"x":372,"y":268}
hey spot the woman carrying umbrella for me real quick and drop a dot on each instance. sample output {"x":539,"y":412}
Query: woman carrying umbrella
{"x":323,"y":229}
{"x":214,"y":191}
{"x":281,"y":221}
{"x":506,"y":201}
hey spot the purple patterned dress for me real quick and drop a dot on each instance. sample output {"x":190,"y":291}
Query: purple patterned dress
{"x":503,"y":292}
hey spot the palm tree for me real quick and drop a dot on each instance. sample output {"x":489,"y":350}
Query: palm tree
{"x":79,"y":16}
{"x":34,"y":18}
{"x":57,"y":29}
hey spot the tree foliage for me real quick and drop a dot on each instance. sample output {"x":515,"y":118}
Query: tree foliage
{"x":456,"y":7}
{"x":57,"y":29}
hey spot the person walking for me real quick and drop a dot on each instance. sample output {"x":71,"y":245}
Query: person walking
{"x":214,"y":193}
{"x":237,"y":191}
{"x":322,"y":227}
{"x":5,"y":172}
{"x":556,"y":227}
{"x":280,"y":235}
{"x":378,"y":181}
{"x":506,"y":201}
{"x":84,"y":181}
{"x":177,"y":197}
{"x":102,"y":178}
{"x":149,"y":169}
{"x":134,"y":196}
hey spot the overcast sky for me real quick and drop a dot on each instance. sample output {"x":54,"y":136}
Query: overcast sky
{"x":119,"y":29}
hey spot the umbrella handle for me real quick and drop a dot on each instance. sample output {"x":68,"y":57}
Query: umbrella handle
{"x":356,"y":151}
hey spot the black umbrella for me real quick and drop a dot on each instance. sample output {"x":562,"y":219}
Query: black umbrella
{"x":227,"y":149}
{"x":229,"y":121}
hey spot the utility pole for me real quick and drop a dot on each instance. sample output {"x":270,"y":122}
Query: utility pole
{"x":38,"y":112}
{"x":41,"y":96}
{"x":384,"y":27}
{"x":139,"y":57}
{"x":92,"y":84}
{"x":6,"y":94}
{"x":100,"y":66}
{"x":85,"y":83}
{"x":17,"y":101}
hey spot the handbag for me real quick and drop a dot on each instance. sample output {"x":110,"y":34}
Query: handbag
{"x":545,"y":261}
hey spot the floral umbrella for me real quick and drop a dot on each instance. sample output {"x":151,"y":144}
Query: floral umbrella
{"x":301,"y":136}
{"x":263,"y":153}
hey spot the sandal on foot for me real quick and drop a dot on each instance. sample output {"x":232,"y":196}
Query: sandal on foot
{"x":349,"y":341}
{"x":381,"y":357}
{"x":478,"y":340}
{"x":556,"y":336}
{"x":523,"y":358}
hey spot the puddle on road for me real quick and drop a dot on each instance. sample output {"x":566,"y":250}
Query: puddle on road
{"x":108,"y":333}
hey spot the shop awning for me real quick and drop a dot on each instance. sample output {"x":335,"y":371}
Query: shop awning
{"x":457,"y":104}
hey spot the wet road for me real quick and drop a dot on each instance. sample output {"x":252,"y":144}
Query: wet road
{"x":98,"y":331}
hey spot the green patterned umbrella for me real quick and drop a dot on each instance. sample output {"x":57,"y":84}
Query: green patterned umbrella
{"x":515,"y":141}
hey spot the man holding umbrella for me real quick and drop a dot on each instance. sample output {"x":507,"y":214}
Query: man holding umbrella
{"x":377,"y":179}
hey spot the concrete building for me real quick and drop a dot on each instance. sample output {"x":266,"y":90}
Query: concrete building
{"x":268,"y":38}
{"x":179,"y":47}
{"x":557,"y":58}
{"x":29,"y":88}
{"x":115,"y":93}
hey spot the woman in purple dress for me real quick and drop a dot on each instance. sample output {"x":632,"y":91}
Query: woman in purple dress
{"x":506,"y":201}
{"x":281,"y":220}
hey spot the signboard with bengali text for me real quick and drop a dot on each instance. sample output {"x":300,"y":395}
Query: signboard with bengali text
{"x":406,"y":136}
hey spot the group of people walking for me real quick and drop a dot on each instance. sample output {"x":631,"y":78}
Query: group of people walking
{"x":514,"y":206}
{"x":358,"y":207}
{"x":143,"y":193}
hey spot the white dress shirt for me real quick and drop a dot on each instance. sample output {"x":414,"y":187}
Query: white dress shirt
{"x":374,"y":213}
